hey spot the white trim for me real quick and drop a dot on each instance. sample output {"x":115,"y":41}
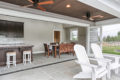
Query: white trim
{"x":60,"y":34}
{"x":40,"y":17}
{"x":88,"y":40}
{"x":72,"y":29}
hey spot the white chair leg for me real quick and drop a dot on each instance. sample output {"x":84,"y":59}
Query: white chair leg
{"x":14,"y":60}
{"x":109,"y":71}
{"x":109,"y":74}
{"x":117,"y":62}
{"x":30,"y":58}
{"x":8,"y":65}
{"x":104,"y":77}
{"x":25,"y":59}
{"x":8,"y":61}
{"x":117,"y":71}
{"x":93,"y":75}
{"x":93,"y":78}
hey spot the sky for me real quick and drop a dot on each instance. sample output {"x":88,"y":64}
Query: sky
{"x":111,"y":30}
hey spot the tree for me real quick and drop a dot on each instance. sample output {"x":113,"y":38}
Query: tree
{"x":108,"y":39}
{"x":119,"y":33}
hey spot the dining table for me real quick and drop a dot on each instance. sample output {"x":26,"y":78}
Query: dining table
{"x":55,"y":49}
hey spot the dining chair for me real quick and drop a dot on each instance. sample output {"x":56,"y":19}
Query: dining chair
{"x":48,"y":51}
{"x":88,"y":70}
{"x":62,"y":49}
{"x":70,"y":48}
{"x":112,"y":65}
{"x":53,"y":43}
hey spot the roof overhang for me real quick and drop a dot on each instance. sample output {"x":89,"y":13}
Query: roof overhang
{"x":17,"y":11}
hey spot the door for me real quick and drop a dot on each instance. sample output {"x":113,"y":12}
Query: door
{"x":56,"y":36}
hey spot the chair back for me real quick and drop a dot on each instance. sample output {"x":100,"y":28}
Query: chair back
{"x":82,"y":57}
{"x":52,"y":43}
{"x":97,"y":51}
{"x":62,"y":48}
{"x":46,"y":47}
{"x":70,"y":47}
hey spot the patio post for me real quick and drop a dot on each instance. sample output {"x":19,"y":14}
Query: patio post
{"x":88,"y":40}
{"x":101,"y":36}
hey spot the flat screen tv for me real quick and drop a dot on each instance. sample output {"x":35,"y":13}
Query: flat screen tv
{"x":11,"y":29}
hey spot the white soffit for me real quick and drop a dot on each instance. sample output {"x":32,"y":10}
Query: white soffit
{"x":108,"y":6}
{"x":18,"y":11}
{"x":108,"y":22}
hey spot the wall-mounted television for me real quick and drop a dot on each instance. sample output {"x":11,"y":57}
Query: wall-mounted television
{"x":11,"y":29}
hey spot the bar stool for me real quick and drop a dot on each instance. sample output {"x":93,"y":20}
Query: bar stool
{"x":9,"y":55}
{"x":26,"y":57}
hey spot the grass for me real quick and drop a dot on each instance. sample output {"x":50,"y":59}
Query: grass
{"x":111,"y":49}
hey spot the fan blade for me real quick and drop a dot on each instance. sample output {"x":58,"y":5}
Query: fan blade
{"x":91,"y":19}
{"x":46,"y":2}
{"x":31,"y":1}
{"x":84,"y":16}
{"x":41,"y":8}
{"x":28,"y":5}
{"x":98,"y":16}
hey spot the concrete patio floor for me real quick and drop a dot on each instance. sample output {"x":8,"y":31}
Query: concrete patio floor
{"x":60,"y":71}
{"x":38,"y":61}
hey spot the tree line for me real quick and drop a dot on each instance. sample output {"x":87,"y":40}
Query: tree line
{"x":112,"y":38}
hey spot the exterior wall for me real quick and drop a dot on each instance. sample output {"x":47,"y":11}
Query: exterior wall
{"x":35,"y":32}
{"x":81,"y":35}
{"x":94,"y":38}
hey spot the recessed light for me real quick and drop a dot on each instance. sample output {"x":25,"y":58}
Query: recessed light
{"x":68,"y":6}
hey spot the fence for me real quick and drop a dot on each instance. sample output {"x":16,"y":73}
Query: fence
{"x":111,"y":47}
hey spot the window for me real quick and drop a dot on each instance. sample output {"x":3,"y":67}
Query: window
{"x":74,"y":34}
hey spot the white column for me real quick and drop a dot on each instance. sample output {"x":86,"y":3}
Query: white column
{"x":88,"y":40}
{"x":101,"y":36}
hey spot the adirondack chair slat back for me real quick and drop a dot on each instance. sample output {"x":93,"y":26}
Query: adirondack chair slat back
{"x":82,"y":57}
{"x":97,"y":51}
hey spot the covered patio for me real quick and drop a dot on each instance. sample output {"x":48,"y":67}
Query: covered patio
{"x":39,"y":27}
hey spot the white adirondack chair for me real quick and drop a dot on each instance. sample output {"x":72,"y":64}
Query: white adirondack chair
{"x":88,"y":70}
{"x":101,"y":58}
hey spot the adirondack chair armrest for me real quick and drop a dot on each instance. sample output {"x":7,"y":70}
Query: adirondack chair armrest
{"x":89,"y":65}
{"x":101,"y":59}
{"x":112,"y":56}
{"x":116,"y":57}
{"x":93,"y":59}
{"x":105,"y":60}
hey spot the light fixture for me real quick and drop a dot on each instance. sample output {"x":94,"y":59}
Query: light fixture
{"x":68,"y":6}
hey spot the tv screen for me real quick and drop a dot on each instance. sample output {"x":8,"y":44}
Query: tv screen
{"x":11,"y":29}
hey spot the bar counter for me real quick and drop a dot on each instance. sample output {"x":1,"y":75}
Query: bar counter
{"x":18,"y":48}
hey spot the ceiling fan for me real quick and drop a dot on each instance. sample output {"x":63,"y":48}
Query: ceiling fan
{"x":38,"y":3}
{"x":92,"y":18}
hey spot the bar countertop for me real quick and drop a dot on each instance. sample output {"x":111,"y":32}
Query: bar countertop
{"x":14,"y":45}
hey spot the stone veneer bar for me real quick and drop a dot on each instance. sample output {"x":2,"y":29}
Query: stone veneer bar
{"x":18,"y":48}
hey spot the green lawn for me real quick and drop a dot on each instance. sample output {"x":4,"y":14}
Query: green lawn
{"x":111,"y":49}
